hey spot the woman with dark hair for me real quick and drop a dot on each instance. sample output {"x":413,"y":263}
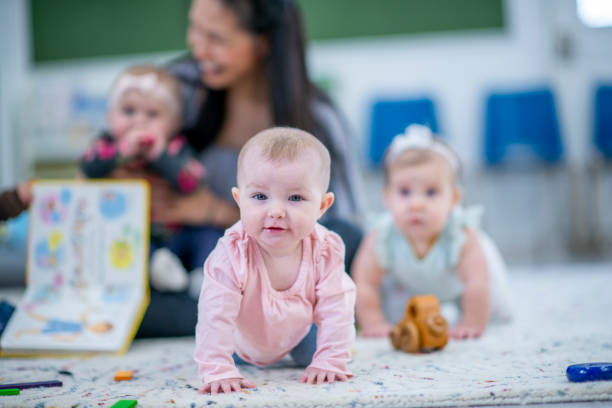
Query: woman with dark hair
{"x":246,"y":73}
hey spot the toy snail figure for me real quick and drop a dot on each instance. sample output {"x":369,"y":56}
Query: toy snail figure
{"x":423,"y":327}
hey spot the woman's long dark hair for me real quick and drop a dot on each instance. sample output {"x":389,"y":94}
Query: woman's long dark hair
{"x":291,"y":92}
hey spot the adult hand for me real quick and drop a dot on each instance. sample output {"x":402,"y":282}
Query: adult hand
{"x":168,"y":206}
{"x":227,"y":386}
{"x":316,"y":375}
{"x":130,"y":171}
{"x":24,"y":190}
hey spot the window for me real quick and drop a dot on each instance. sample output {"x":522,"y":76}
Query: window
{"x":595,"y":13}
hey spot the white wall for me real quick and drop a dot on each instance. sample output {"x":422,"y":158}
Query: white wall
{"x":458,"y":68}
{"x":13,"y":77}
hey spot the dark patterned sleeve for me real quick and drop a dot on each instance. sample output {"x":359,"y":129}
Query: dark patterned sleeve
{"x":178,"y":165}
{"x":101,"y":158}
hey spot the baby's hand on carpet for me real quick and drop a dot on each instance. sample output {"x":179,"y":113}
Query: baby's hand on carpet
{"x":466,"y":331}
{"x":226,"y":385}
{"x":316,"y":375}
{"x":377,"y":330}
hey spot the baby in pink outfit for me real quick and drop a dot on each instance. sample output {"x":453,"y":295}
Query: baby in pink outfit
{"x":277,"y":271}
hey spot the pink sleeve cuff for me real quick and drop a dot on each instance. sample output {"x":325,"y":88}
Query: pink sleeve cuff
{"x":338,"y":366}
{"x":215,"y":372}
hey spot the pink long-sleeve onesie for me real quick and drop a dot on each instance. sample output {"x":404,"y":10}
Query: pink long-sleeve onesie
{"x":240,"y":312}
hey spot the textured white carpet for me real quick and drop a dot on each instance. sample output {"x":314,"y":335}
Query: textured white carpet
{"x":564,"y":316}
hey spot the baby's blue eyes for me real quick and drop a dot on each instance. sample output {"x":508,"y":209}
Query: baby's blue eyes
{"x":430,"y":192}
{"x":131,"y":110}
{"x":293,"y":197}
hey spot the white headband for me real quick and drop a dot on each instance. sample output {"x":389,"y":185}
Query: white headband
{"x":147,"y":84}
{"x":419,"y":137}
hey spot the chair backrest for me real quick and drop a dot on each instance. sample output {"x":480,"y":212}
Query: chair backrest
{"x":390,"y":118}
{"x":603,"y":120}
{"x":523,"y":119}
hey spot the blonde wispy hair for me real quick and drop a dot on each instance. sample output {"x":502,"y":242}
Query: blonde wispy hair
{"x":287,"y":144}
{"x":418,"y":145}
{"x":149,"y":80}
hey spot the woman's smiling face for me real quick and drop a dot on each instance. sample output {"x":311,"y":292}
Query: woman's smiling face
{"x":227,"y":52}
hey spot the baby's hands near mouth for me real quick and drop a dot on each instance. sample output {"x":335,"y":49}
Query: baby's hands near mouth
{"x":145,"y":143}
{"x":152,"y":144}
{"x":129,"y":143}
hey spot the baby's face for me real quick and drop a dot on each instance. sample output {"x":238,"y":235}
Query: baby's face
{"x":280,"y":201}
{"x":421,"y":197}
{"x":137,"y":110}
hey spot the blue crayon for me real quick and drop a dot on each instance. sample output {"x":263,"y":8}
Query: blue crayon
{"x":589,"y":372}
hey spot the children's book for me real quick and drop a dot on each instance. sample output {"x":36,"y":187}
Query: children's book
{"x":87,"y":283}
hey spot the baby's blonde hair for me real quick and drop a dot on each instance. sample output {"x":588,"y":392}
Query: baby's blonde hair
{"x":286,"y":143}
{"x":148,"y":79}
{"x":414,"y":157}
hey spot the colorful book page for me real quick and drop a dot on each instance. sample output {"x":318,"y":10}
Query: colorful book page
{"x":87,"y":287}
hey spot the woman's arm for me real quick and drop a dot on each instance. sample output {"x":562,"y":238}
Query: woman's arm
{"x":472,"y":270}
{"x":11,"y":204}
{"x":368,"y":276}
{"x":345,"y":182}
{"x":14,"y":202}
{"x":202,"y":207}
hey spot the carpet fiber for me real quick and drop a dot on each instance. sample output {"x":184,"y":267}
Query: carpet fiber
{"x":563,"y":317}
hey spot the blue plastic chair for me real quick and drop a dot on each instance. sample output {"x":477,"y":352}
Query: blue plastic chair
{"x":527,"y":119}
{"x":603,"y":120}
{"x":390,"y":117}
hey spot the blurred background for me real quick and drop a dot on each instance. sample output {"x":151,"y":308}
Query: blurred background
{"x":521,"y":88}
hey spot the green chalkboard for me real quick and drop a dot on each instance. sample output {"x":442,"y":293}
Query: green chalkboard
{"x":328,"y":19}
{"x":73,"y":29}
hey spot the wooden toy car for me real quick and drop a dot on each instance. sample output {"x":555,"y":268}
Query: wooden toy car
{"x":423,"y":327}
